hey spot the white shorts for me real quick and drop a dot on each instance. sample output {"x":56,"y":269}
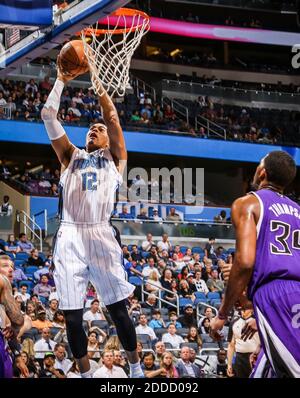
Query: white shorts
{"x":88,"y":253}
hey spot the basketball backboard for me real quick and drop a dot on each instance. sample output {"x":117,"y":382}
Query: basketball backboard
{"x":65,"y":23}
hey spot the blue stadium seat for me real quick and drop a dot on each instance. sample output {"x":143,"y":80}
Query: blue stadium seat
{"x":231,"y":250}
{"x":101,"y":324}
{"x":22,"y":256}
{"x":42,"y":255}
{"x":198,"y":250}
{"x":10,"y":255}
{"x":206,"y":338}
{"x":43,"y":300}
{"x":145,"y":254}
{"x":32,"y":334}
{"x":183,"y":249}
{"x":213,"y":296}
{"x":190,"y":345}
{"x":184,"y":301}
{"x":183,"y":332}
{"x":129,"y":247}
{"x":160,"y":331}
{"x":145,"y":340}
{"x":2,"y":243}
{"x":31,"y":269}
{"x":210,"y":345}
{"x":54,"y":331}
{"x":200,"y":295}
{"x":135,"y":280}
{"x":19,"y":263}
{"x":200,"y":300}
{"x":216,"y":303}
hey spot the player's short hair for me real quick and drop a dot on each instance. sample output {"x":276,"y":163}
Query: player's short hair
{"x":5,"y":257}
{"x":95,"y":301}
{"x":280,"y":168}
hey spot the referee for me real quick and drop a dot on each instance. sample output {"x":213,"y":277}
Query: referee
{"x":241,"y":347}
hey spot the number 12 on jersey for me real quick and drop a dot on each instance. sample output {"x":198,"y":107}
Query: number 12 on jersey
{"x":89,"y":181}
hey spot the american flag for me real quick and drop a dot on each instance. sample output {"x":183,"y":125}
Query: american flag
{"x":12,"y":36}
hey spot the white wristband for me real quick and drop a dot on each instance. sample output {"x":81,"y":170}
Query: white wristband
{"x":53,"y":101}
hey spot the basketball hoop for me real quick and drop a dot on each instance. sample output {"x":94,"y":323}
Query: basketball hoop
{"x":110,"y":51}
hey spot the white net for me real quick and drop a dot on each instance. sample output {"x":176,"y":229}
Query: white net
{"x":109,"y":53}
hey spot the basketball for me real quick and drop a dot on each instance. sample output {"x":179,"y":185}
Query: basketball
{"x":72,"y":60}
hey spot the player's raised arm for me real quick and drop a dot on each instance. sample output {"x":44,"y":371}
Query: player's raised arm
{"x":114,"y":131}
{"x":59,"y":139}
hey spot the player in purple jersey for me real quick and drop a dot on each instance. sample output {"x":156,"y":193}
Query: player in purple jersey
{"x":267,"y":261}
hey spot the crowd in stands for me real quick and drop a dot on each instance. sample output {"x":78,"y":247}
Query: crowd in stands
{"x":209,"y":59}
{"x":80,"y":107}
{"x":170,"y":336}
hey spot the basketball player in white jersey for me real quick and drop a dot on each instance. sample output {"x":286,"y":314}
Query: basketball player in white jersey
{"x":86,"y":248}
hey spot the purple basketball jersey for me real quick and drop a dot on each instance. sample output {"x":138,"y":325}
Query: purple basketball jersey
{"x":278,"y":240}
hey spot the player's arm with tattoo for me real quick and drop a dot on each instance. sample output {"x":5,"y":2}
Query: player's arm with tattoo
{"x":11,"y":307}
{"x":114,"y":131}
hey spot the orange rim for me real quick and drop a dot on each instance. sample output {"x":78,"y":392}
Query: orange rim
{"x":125,"y":12}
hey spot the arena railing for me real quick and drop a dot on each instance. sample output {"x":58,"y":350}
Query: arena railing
{"x":30,"y":224}
{"x":230,"y":93}
{"x":159,"y":297}
{"x":6,"y":111}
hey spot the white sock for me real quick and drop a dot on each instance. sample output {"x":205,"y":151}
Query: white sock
{"x":87,"y":375}
{"x":135,"y":370}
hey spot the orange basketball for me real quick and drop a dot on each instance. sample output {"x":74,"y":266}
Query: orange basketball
{"x":72,"y":60}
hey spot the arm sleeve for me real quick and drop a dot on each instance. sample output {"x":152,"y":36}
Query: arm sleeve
{"x":49,"y":112}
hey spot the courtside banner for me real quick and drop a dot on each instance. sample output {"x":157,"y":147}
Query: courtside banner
{"x":26,"y":12}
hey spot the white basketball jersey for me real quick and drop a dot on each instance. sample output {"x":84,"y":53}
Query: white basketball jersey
{"x":88,"y":187}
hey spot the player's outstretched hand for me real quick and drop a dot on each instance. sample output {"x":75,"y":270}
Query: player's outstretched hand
{"x":249,"y":329}
{"x":216,"y":325}
{"x":62,"y":75}
{"x":226,"y":268}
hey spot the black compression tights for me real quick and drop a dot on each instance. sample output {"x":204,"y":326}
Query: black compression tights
{"x":125,"y":328}
{"x":76,"y":336}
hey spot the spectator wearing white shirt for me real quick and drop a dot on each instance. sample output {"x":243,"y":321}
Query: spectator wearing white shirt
{"x":2,"y":100}
{"x":61,"y":360}
{"x":43,"y":345}
{"x":108,"y":370}
{"x":50,"y":312}
{"x":6,"y":208}
{"x":32,"y":87}
{"x":149,"y":268}
{"x":164,"y":244}
{"x":23,"y":293}
{"x":171,"y":337}
{"x":74,"y":109}
{"x":199,"y":283}
{"x":148,"y":243}
{"x":143,"y":328}
{"x":77,"y":99}
{"x":156,"y":216}
{"x":94,"y":313}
